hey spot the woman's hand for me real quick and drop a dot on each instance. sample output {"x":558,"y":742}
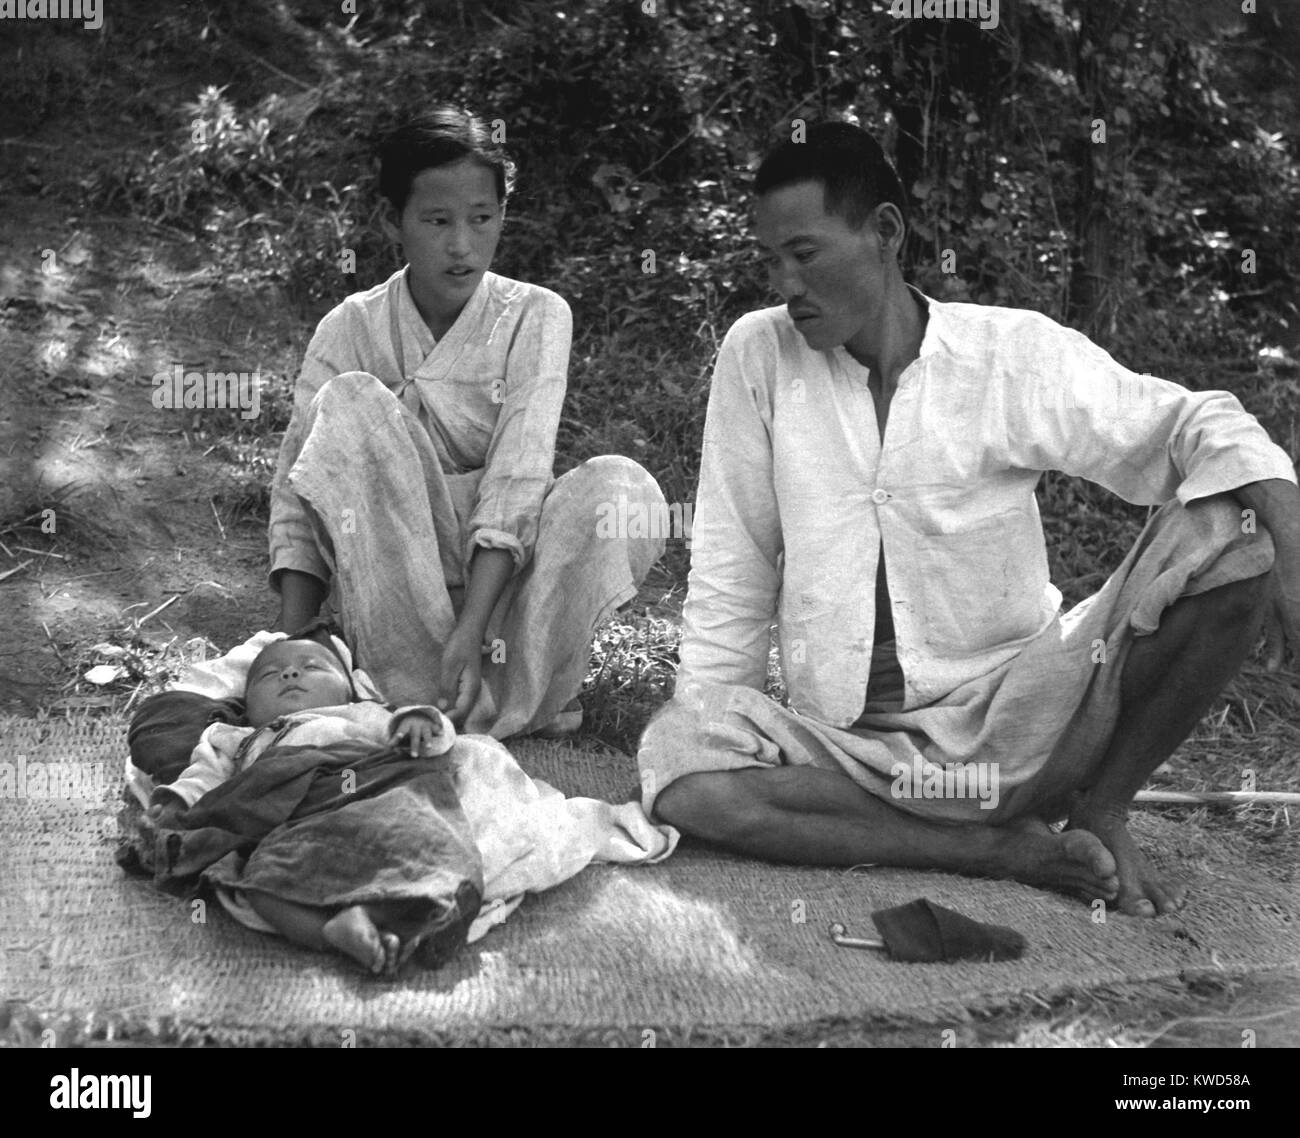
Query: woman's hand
{"x":424,"y":733}
{"x":461,"y":675}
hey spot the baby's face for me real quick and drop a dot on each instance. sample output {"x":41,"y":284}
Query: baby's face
{"x":293,"y":675}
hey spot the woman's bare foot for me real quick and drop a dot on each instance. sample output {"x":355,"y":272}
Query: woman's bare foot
{"x":354,"y":934}
{"x":1143,"y":892}
{"x":1075,"y":861}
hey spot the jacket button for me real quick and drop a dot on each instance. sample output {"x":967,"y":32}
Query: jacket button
{"x":880,"y":497}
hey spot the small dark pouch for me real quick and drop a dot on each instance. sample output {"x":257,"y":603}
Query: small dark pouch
{"x":925,"y":932}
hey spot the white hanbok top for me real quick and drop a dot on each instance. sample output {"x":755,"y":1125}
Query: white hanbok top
{"x":489,"y":394}
{"x":798,"y":492}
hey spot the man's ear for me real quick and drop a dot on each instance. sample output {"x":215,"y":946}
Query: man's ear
{"x":890,"y":228}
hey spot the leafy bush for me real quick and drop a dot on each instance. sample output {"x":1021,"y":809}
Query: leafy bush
{"x":636,"y":129}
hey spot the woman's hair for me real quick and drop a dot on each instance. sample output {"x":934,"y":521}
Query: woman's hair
{"x":439,"y":137}
{"x":852,"y":169}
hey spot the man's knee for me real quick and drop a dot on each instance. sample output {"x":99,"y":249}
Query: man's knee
{"x":1238,"y":604}
{"x":1216,"y":629}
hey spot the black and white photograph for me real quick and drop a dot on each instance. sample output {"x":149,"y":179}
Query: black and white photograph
{"x":636,"y":524}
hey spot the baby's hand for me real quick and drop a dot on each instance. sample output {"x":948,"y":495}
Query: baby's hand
{"x":427,"y":732}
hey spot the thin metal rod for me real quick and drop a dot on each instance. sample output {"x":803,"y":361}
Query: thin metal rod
{"x":839,"y":936}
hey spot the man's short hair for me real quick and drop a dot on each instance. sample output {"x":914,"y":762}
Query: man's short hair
{"x":850,"y":165}
{"x":442,"y":136}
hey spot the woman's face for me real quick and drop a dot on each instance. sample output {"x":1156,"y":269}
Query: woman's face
{"x":449,"y":233}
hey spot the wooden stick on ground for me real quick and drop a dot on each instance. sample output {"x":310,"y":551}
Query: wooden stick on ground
{"x":15,"y":569}
{"x":1218,"y":797}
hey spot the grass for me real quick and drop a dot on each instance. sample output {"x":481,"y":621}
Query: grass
{"x":633,"y":667}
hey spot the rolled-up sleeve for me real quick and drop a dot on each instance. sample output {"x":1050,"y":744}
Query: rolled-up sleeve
{"x":736,"y":539}
{"x":1143,"y":438}
{"x":517,"y":471}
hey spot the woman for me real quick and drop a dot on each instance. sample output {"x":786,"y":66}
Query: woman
{"x":414,"y":486}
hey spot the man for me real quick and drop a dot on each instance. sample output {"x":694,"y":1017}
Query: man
{"x":867,"y":482}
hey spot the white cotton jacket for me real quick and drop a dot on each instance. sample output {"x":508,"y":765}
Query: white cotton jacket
{"x":797,"y":493}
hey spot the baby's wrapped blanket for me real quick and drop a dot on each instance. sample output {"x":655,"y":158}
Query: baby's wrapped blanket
{"x":289,"y":824}
{"x":334,"y":825}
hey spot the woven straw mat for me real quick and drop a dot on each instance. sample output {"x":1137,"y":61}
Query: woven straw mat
{"x":701,"y":940}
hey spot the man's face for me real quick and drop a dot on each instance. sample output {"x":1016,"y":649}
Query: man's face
{"x":293,"y":675}
{"x":449,"y":233}
{"x":830,"y":275}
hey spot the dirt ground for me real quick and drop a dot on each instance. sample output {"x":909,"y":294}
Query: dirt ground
{"x":152,"y":539}
{"x":145,"y":500}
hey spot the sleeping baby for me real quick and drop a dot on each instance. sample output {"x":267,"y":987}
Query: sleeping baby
{"x":327,"y":814}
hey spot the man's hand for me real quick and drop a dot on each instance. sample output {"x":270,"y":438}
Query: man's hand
{"x":461,"y":676}
{"x":1282,"y":625}
{"x":424,"y":734}
{"x":1276,"y":505}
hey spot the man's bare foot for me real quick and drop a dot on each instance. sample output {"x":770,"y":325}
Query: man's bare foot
{"x":1143,"y":892}
{"x":354,"y":934}
{"x":1075,"y":861}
